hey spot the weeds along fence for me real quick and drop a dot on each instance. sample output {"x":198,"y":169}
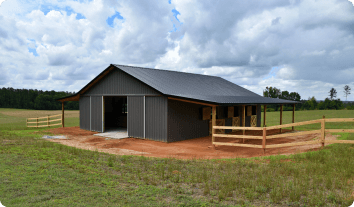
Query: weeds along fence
{"x":46,"y":121}
{"x":266,"y":137}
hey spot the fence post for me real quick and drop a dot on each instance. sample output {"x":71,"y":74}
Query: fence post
{"x":27,"y":122}
{"x":264,"y":116}
{"x":293,"y":128}
{"x":48,"y":120}
{"x":264,"y":139}
{"x":37,"y":122}
{"x":281,"y":117}
{"x":323,"y":128}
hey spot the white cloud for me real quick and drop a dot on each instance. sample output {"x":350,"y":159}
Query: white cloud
{"x":352,"y":1}
{"x":310,"y":43}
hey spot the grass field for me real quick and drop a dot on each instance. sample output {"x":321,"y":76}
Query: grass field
{"x":35,"y":172}
{"x":15,"y":119}
{"x":273,"y":118}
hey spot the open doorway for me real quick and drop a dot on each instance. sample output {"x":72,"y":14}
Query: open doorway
{"x":115,"y":113}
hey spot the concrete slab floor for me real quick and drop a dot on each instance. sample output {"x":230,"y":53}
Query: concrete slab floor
{"x":114,"y":133}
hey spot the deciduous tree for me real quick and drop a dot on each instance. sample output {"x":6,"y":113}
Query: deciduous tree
{"x":333,"y":93}
{"x":346,"y":91}
{"x":272,"y":92}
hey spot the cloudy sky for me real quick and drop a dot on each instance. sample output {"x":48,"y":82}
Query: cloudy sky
{"x":303,"y":46}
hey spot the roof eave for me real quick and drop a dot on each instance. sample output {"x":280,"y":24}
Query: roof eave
{"x":76,"y":97}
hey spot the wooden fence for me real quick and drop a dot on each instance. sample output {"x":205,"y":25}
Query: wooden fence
{"x":264,"y":137}
{"x":45,"y":121}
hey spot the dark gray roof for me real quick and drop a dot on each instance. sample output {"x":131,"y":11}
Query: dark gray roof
{"x":197,"y":87}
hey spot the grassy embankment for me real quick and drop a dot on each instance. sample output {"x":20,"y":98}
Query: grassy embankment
{"x":35,"y":172}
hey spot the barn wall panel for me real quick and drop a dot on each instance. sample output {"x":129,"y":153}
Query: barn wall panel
{"x":84,"y":106}
{"x":156,"y":118}
{"x":118,"y":82}
{"x":136,"y":116}
{"x":185,"y":121}
{"x":96,"y":113}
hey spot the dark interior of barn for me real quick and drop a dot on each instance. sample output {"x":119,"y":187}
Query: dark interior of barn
{"x":115,"y":116}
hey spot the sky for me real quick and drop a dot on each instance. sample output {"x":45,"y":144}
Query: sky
{"x":298,"y":46}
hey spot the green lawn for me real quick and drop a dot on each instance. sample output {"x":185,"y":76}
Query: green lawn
{"x":14,"y":120}
{"x":35,"y":172}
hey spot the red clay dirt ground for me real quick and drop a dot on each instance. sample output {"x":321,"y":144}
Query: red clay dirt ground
{"x":199,"y":148}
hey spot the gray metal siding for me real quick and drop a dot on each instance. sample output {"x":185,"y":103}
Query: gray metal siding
{"x":136,"y":116}
{"x":185,"y":121}
{"x":156,"y":118}
{"x":118,"y":82}
{"x":96,"y":113}
{"x":84,"y":106}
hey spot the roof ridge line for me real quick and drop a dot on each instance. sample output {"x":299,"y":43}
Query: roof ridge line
{"x":166,"y":70}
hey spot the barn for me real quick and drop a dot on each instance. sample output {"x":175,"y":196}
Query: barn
{"x":165,"y":105}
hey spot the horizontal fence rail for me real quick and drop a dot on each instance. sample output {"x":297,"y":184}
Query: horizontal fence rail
{"x":242,"y":128}
{"x":264,"y":137}
{"x":294,"y":124}
{"x":238,"y":136}
{"x":238,"y":145}
{"x":47,"y":120}
{"x":293,"y":134}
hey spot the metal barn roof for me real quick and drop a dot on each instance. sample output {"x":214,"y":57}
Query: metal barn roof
{"x":196,"y":86}
{"x":204,"y":88}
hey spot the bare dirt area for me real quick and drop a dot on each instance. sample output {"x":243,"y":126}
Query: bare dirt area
{"x":199,"y":148}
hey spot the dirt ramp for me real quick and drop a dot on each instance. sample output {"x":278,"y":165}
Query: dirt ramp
{"x":198,"y":148}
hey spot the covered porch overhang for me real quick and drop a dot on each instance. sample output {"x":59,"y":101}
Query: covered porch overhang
{"x":243,"y":103}
{"x":75,"y":97}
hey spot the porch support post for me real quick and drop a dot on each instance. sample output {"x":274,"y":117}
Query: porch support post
{"x":281,"y":117}
{"x":243,"y":121}
{"x":264,"y":116}
{"x":293,"y":128}
{"x":213,"y":123}
{"x":62,"y":113}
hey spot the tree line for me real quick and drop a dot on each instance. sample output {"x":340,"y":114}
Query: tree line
{"x":46,"y":100}
{"x":311,"y":104}
{"x":35,"y":99}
